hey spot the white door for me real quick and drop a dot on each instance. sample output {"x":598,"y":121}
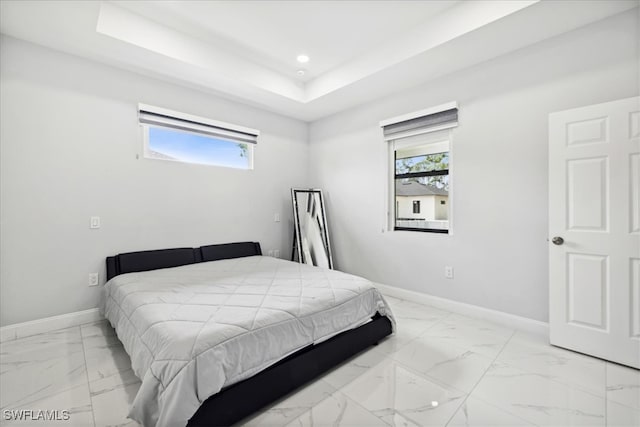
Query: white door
{"x":594,"y":226}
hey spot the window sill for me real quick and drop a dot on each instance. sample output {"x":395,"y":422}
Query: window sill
{"x":424,"y":230}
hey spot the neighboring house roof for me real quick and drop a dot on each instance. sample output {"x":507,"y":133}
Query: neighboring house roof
{"x":414,"y":188}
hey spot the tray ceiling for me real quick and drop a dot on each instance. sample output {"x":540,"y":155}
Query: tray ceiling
{"x":246,"y":50}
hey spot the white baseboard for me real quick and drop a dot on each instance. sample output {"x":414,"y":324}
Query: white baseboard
{"x":35,"y":327}
{"x":494,"y":316}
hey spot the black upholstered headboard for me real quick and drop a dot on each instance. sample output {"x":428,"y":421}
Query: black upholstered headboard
{"x":131,"y":262}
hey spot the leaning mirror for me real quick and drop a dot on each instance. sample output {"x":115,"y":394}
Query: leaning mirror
{"x":311,"y":237}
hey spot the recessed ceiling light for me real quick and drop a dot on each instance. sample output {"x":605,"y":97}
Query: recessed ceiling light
{"x":301,"y":72}
{"x":303,"y":59}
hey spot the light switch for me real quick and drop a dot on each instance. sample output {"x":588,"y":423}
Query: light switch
{"x":93,"y":279}
{"x":95,"y":222}
{"x":276,"y":217}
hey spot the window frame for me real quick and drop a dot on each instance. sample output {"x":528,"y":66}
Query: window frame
{"x":434,"y":136}
{"x":227,"y":131}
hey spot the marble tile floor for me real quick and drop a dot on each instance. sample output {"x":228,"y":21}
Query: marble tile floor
{"x":440,"y":369}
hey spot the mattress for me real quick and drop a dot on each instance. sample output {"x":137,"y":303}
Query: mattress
{"x":192,"y":330}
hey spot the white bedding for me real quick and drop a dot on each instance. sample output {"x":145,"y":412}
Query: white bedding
{"x":192,"y":330}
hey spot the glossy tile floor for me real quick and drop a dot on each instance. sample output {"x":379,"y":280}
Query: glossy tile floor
{"x":440,"y":369}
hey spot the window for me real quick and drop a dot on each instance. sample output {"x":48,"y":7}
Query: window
{"x":170,"y":135}
{"x":419,"y":152}
{"x":421,"y":182}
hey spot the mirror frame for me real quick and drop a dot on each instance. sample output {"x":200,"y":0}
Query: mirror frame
{"x":297,"y":243}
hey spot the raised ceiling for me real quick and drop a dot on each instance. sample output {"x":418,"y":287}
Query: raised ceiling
{"x":273,"y":33}
{"x":246,"y":50}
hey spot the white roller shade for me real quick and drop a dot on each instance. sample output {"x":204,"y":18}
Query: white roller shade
{"x":420,"y":122}
{"x":156,"y":116}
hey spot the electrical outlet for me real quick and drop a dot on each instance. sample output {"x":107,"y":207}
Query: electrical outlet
{"x":270,"y":253}
{"x":276,"y":253}
{"x":93,"y":279}
{"x":95,"y":222}
{"x":448,"y":272}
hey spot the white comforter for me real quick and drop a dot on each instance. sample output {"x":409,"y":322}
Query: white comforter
{"x":192,"y":330}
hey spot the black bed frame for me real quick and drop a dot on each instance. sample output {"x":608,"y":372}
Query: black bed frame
{"x":240,"y":400}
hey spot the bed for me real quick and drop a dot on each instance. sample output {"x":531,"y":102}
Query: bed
{"x":217,"y":332}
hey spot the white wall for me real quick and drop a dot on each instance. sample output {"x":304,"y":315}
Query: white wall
{"x":499,"y":170}
{"x":70,"y":138}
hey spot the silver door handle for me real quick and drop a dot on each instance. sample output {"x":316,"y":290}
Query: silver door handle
{"x":557,"y":240}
